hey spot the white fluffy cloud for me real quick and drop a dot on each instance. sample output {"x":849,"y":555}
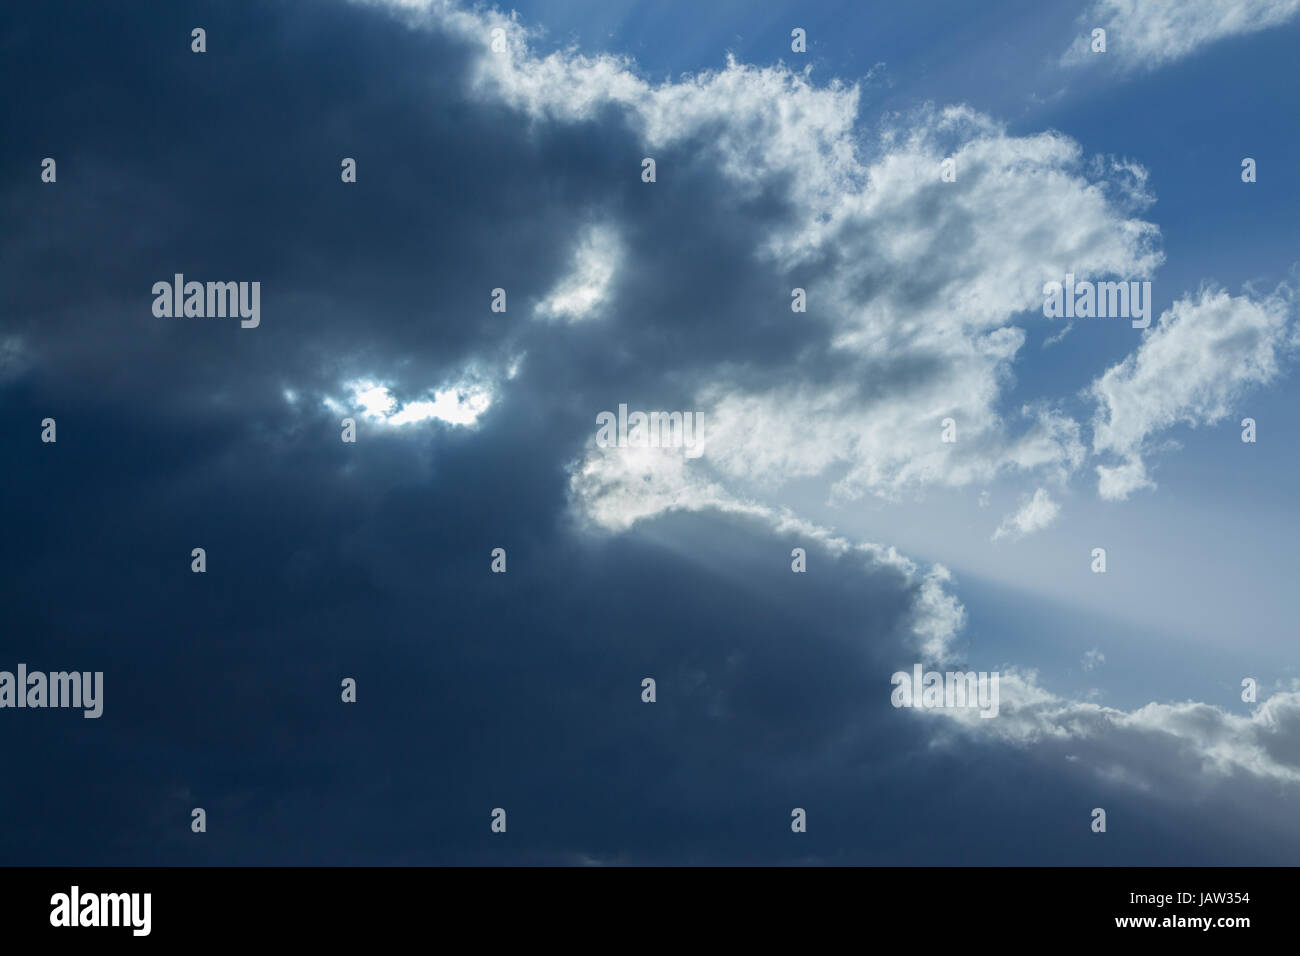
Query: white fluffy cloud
{"x":579,"y":294}
{"x":914,"y":284}
{"x":1035,"y":514}
{"x":1145,"y":34}
{"x":1206,"y":352}
{"x":1187,"y":745}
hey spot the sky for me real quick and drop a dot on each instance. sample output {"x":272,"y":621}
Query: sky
{"x":503,"y":269}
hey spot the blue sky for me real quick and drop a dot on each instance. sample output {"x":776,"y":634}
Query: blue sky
{"x":521,"y":168}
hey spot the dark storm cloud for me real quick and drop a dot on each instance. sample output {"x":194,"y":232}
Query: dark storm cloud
{"x":226,"y":166}
{"x":328,"y":560}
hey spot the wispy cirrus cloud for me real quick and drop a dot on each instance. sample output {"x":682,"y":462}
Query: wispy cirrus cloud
{"x":1147,"y":34}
